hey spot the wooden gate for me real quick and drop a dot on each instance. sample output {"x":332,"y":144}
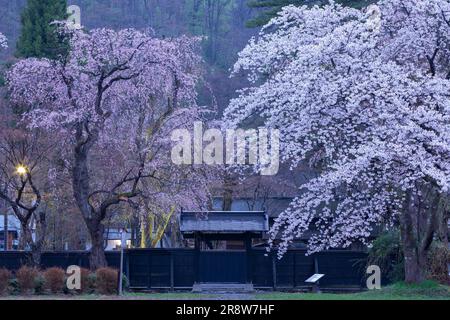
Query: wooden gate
{"x":223,"y":267}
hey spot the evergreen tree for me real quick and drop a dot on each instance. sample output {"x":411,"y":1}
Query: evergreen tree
{"x":38,"y":37}
{"x":272,"y":7}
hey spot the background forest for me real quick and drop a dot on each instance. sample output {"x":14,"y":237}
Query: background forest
{"x":225,"y":27}
{"x":221,"y":21}
{"x":221,"y":24}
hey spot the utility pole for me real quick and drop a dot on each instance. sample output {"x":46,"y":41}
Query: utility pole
{"x":5,"y":226}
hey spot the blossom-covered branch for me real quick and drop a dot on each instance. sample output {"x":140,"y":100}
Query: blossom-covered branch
{"x":369,"y":104}
{"x":3,"y":41}
{"x":114,"y":100}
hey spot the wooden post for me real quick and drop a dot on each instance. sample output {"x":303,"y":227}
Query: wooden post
{"x":248,"y":251}
{"x":172,"y":280}
{"x":316,"y":264}
{"x":274,"y":271}
{"x":316,"y":286}
{"x":149,"y":268}
{"x":197,"y":258}
{"x":294,"y":280}
{"x":127,"y":265}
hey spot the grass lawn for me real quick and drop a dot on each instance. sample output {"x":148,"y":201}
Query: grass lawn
{"x":426,"y":291}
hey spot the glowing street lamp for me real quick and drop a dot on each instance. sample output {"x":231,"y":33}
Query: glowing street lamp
{"x":21,"y":170}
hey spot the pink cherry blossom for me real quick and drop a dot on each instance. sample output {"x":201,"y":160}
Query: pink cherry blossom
{"x":112,"y":102}
{"x":371,"y":105}
{"x":3,"y":41}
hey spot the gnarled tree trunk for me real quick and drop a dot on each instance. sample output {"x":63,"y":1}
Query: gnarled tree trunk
{"x":81,"y":192}
{"x":97,"y":257}
{"x":35,"y":245}
{"x":419,"y":224}
{"x":95,"y":214}
{"x":415,"y":261}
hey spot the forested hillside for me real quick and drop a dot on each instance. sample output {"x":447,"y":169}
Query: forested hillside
{"x":222,"y":22}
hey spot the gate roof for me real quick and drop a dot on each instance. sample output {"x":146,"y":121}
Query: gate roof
{"x":224,"y":222}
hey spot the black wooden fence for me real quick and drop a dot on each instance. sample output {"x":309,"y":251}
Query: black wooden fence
{"x":13,"y":260}
{"x":341,"y":269}
{"x":176,"y":268}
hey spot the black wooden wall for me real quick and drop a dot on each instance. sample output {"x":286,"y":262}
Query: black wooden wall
{"x":175,"y":268}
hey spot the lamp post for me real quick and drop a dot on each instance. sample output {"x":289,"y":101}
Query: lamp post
{"x":5,"y":224}
{"x":123,"y":244}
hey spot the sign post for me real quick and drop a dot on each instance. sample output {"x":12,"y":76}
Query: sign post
{"x":314,"y":280}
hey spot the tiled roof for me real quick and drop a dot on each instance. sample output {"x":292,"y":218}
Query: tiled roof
{"x":224,"y":222}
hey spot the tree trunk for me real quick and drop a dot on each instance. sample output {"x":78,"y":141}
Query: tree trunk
{"x":38,"y":243}
{"x":443,"y":218}
{"x":26,"y":242}
{"x":415,"y":264}
{"x":228,"y":193}
{"x":24,"y":235}
{"x":81,"y":188}
{"x":410,"y":241}
{"x":97,"y":258}
{"x":36,"y":254}
{"x":419,"y":223}
{"x":94,"y":215}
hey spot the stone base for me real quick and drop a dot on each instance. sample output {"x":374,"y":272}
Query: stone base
{"x":219,"y":288}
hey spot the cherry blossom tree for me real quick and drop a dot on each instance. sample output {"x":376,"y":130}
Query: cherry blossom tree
{"x":171,"y":187}
{"x":3,"y":41}
{"x":22,"y":162}
{"x":111,"y":99}
{"x":367,"y":98}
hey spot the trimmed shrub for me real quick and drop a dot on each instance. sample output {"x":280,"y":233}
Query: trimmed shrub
{"x":106,"y":281}
{"x":438,"y":261}
{"x":26,"y":278}
{"x":88,"y":280}
{"x":39,"y":284}
{"x":5,"y":277}
{"x":14,"y":287}
{"x":54,"y":280}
